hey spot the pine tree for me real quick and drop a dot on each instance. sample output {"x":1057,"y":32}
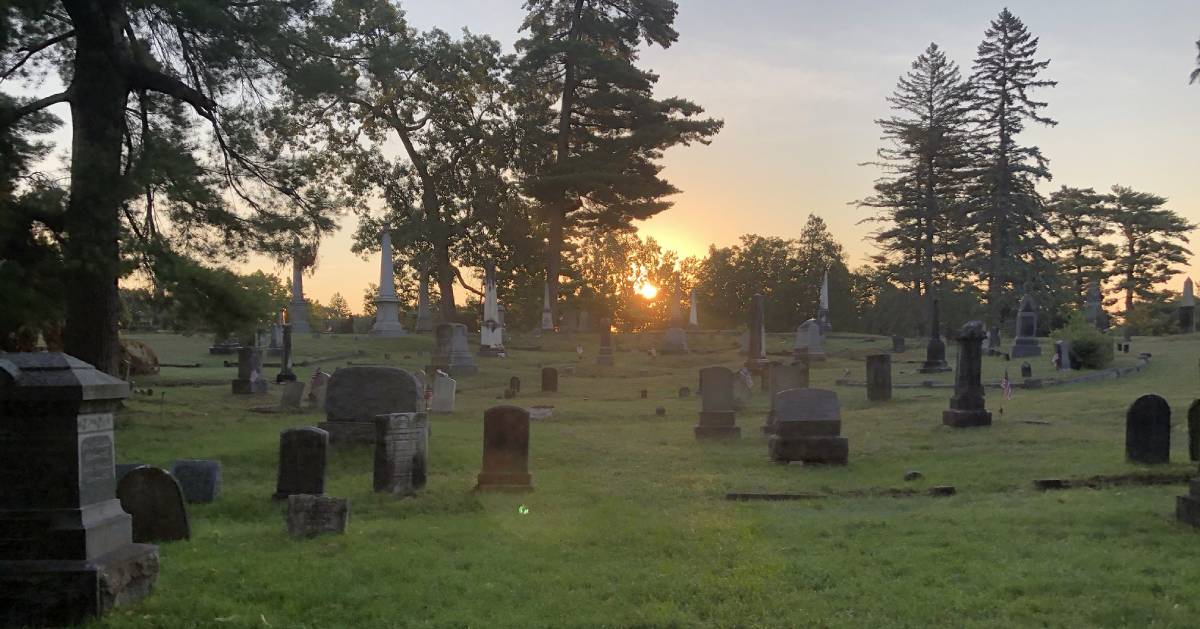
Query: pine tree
{"x":1080,"y":221}
{"x":1007,"y":211}
{"x":595,"y":133}
{"x":925,"y":163}
{"x":1151,"y":238}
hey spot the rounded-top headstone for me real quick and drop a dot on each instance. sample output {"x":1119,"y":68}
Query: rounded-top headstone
{"x":505,"y":449}
{"x":155,"y":500}
{"x":1148,"y":430}
{"x":360,"y":393}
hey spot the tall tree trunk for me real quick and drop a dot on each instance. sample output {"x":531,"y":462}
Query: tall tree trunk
{"x":445,"y":278}
{"x":558,"y":213}
{"x":91,"y":249}
{"x":554,"y":245}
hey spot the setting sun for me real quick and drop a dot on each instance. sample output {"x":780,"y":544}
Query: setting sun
{"x":649,"y":291}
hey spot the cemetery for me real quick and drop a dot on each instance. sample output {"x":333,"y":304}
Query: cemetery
{"x":404,"y":313}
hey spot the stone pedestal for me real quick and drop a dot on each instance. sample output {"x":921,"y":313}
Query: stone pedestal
{"x":505,"y":450}
{"x":66,"y":551}
{"x":967,"y":406}
{"x":935,"y":351}
{"x":387,"y":318}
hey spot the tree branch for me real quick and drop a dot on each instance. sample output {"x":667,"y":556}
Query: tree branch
{"x":145,"y":78}
{"x":9,"y":117}
{"x":30,"y":51}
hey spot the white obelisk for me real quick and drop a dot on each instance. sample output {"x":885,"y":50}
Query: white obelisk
{"x":491,"y":330}
{"x":387,"y":305}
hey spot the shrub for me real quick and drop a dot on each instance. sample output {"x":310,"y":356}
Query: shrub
{"x":1090,"y":348}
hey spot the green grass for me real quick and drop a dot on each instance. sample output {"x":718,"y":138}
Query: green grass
{"x":628,"y":526}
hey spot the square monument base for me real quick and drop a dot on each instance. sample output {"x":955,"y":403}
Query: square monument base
{"x":490,"y":351}
{"x":823,"y":450}
{"x":242,"y":387}
{"x":349,"y":432}
{"x":497,"y":481}
{"x":1025,"y":347}
{"x":966,"y":419}
{"x":39,"y":593}
{"x":717,"y":432}
{"x":1187,"y":507}
{"x":933,"y":369}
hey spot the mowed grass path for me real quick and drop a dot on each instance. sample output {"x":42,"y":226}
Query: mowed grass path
{"x":628,"y":526}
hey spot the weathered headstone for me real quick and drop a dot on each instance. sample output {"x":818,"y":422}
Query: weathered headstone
{"x":1193,"y":421}
{"x":993,"y":340}
{"x":154,"y":499}
{"x":293,"y":394}
{"x":1187,"y":309}
{"x":717,"y":417}
{"x":199,"y":478}
{"x":309,"y":516}
{"x":249,"y":363}
{"x":808,"y":425}
{"x":674,"y":341}
{"x":1093,"y":308}
{"x":451,"y":352}
{"x":756,"y":349}
{"x":879,"y":377}
{"x":424,"y":322}
{"x":899,"y":346}
{"x":514,"y":383}
{"x":387,"y":304}
{"x":808,"y":341}
{"x":1062,"y":352}
{"x":935,"y":351}
{"x":1026,"y":370}
{"x":549,"y":380}
{"x":1026,"y":343}
{"x":275,"y":348}
{"x":318,"y":385}
{"x":445,"y":390}
{"x":401,"y":453}
{"x":358,"y":394}
{"x":967,"y":406}
{"x":303,"y":453}
{"x":547,"y":313}
{"x":1148,"y":431}
{"x":743,"y":389}
{"x":505,"y":450}
{"x":783,"y":378}
{"x":66,"y":552}
{"x":605,"y":355}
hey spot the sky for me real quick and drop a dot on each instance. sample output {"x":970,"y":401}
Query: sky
{"x":799,"y":84}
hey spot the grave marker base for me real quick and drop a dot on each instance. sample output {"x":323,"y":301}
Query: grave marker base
{"x":966,"y":419}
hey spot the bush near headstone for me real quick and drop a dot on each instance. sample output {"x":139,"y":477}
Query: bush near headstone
{"x":1090,"y":348}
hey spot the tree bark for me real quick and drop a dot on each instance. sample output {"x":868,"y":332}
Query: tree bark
{"x":99,"y":96}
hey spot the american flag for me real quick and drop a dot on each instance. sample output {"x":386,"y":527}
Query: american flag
{"x":1006,"y":386}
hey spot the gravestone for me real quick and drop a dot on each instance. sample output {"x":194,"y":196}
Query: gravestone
{"x":514,"y":383}
{"x":935,"y":351}
{"x":1148,"y":431}
{"x":318,"y":386}
{"x":879,"y":377}
{"x":899,"y":345}
{"x":693,"y":320}
{"x":445,"y":391}
{"x":1062,"y":352}
{"x":424,"y":322}
{"x":293,"y":394}
{"x":1187,"y":507}
{"x":285,"y":370}
{"x":1193,"y":420}
{"x":1026,"y":343}
{"x":356,"y":395}
{"x":491,"y":330}
{"x":309,"y":516}
{"x":605,"y":355}
{"x":967,"y":406}
{"x":1187,"y":309}
{"x":154,"y":499}
{"x":549,"y":380}
{"x":505,"y":450}
{"x":783,"y":378}
{"x":199,"y":478}
{"x":674,"y":341}
{"x":125,"y":468}
{"x":275,"y":348}
{"x":451,"y":352}
{"x":993,"y":340}
{"x":387,"y":304}
{"x":1093,"y":308}
{"x":303,"y":453}
{"x":823,"y":321}
{"x":808,"y":425}
{"x":717,"y":417}
{"x":547,"y":313}
{"x":249,"y":364}
{"x":808,"y":341}
{"x":1026,"y":370}
{"x":66,"y":551}
{"x":401,"y":453}
{"x":743,"y":389}
{"x":756,"y":347}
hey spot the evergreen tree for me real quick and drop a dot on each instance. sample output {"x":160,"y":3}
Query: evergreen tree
{"x":1151,"y":238}
{"x":925,"y":162}
{"x":1006,"y":209}
{"x":1077,"y":216}
{"x":594,"y":132}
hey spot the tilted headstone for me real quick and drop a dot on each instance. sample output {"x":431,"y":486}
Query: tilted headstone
{"x":309,"y":516}
{"x":808,"y":424}
{"x":808,"y":341}
{"x":356,"y":395}
{"x":605,"y":355}
{"x":935,"y":351}
{"x":445,"y":390}
{"x":1193,"y":420}
{"x":154,"y":499}
{"x":505,"y":450}
{"x":967,"y":406}
{"x":879,"y":377}
{"x":756,"y":349}
{"x":1148,"y":431}
{"x":199,"y":478}
{"x":401,"y":453}
{"x":66,"y":550}
{"x":717,"y":417}
{"x":303,"y":454}
{"x":1026,"y":343}
{"x":549,"y":380}
{"x":451,"y":352}
{"x":249,"y":364}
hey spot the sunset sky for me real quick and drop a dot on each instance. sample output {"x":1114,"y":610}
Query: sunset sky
{"x":799,"y":84}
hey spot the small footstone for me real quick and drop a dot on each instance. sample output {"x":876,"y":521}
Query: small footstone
{"x":685,"y":392}
{"x":660,"y":411}
{"x":1050,"y":483}
{"x":913,"y":475}
{"x":309,"y":516}
{"x":942,"y":490}
{"x":644,"y":393}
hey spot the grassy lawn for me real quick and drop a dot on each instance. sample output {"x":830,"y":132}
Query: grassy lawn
{"x":628,"y":525}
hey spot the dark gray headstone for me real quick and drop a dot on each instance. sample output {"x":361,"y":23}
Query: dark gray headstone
{"x":899,"y":345}
{"x":967,"y":406}
{"x":155,"y":501}
{"x":879,"y":377}
{"x":1026,"y":343}
{"x":514,"y":383}
{"x":935,"y":351}
{"x":808,"y":426}
{"x":401,"y":453}
{"x":309,"y":516}
{"x":1193,"y":420}
{"x":362,"y":393}
{"x":717,"y":418}
{"x":605,"y":355}
{"x":505,"y":450}
{"x":199,"y":478}
{"x":249,"y":370}
{"x":303,"y":453}
{"x":1026,"y":370}
{"x":549,"y":380}
{"x":451,"y":352}
{"x":1148,"y":431}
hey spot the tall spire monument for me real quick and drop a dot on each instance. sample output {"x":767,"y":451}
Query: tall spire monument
{"x":823,"y":307}
{"x":491,"y":331}
{"x":387,"y":305}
